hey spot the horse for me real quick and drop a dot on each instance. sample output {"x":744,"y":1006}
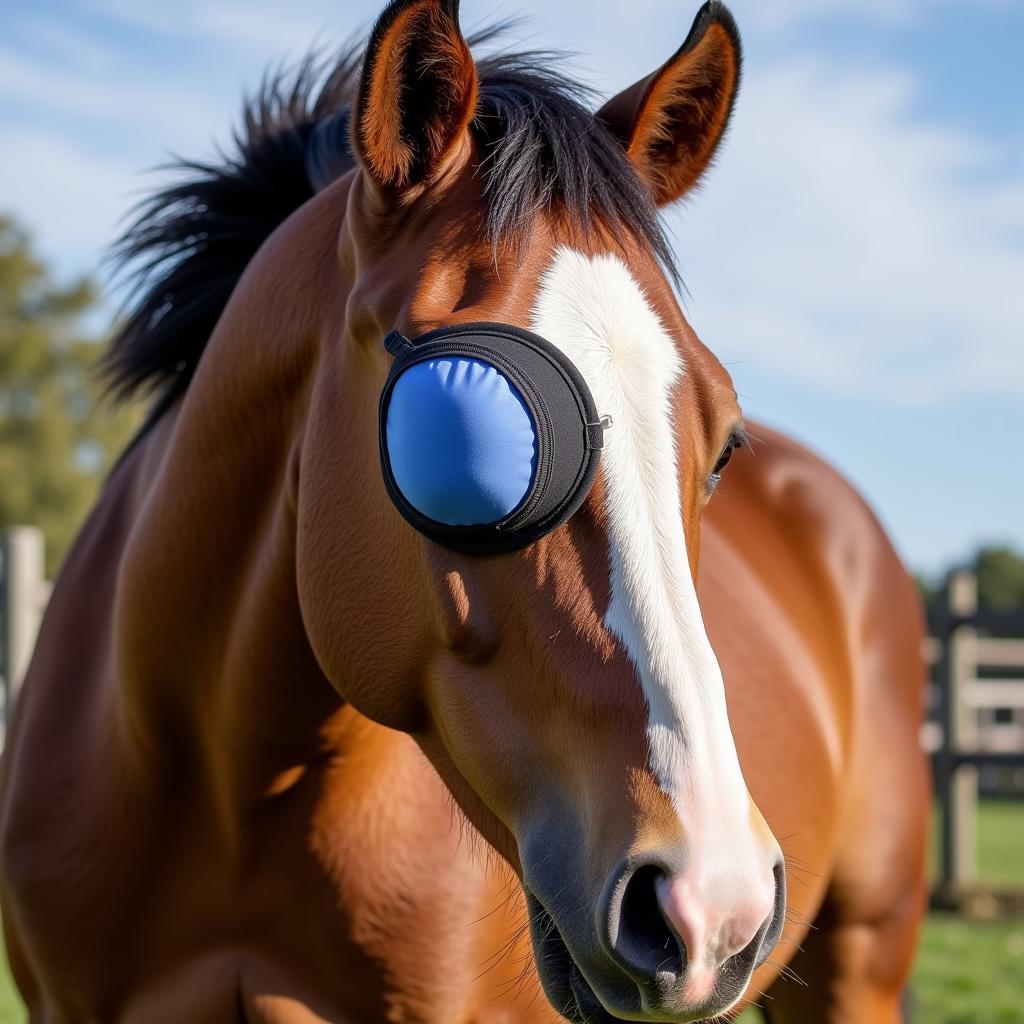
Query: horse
{"x":281,"y":756}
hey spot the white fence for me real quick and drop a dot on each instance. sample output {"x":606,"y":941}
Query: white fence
{"x":24,"y":592}
{"x":980,"y":722}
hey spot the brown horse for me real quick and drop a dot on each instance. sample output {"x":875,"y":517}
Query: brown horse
{"x":267,"y":722}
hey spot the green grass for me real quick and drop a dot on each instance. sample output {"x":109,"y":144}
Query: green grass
{"x":1000,"y":843}
{"x":968,"y":972}
{"x":11,"y":1009}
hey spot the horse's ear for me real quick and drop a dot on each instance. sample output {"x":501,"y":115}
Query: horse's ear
{"x":417,"y":93}
{"x":672,"y":121}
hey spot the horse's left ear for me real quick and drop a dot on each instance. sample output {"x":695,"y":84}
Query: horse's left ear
{"x":672,"y":121}
{"x":417,"y":93}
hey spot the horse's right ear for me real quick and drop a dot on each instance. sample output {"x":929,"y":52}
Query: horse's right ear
{"x":417,"y":93}
{"x":671,"y":122}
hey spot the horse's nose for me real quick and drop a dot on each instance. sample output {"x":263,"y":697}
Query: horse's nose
{"x":712,"y":930}
{"x":672,"y":931}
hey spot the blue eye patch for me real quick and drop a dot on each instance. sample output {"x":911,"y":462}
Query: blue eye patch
{"x":489,"y":437}
{"x":461,"y":441}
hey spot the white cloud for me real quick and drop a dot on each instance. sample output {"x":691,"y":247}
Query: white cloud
{"x":60,"y":87}
{"x":842,"y":240}
{"x":68,"y":43}
{"x":784,"y":13}
{"x":72,"y":200}
{"x":846,"y":242}
{"x":260,"y":25}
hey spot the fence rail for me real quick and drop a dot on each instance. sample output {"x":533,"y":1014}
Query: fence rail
{"x":963,"y":746}
{"x":995,"y":693}
{"x":24,"y":591}
{"x":998,"y":652}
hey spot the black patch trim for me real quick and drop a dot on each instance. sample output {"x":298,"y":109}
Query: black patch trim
{"x":565,"y":417}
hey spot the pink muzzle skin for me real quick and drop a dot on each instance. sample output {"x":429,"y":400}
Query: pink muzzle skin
{"x":712,"y":927}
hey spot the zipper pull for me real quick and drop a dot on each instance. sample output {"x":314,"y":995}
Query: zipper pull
{"x":397,"y":343}
{"x":595,"y":432}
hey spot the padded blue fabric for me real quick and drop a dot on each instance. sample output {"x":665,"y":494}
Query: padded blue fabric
{"x":460,"y":440}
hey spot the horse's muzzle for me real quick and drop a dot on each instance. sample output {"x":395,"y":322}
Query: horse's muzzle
{"x":664,"y":948}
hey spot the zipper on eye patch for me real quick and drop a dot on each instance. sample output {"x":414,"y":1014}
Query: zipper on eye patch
{"x":398,"y":344}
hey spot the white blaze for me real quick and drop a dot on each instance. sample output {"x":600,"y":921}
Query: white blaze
{"x":597,"y":314}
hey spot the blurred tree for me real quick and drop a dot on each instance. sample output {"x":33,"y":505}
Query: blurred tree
{"x":57,"y":436}
{"x":1000,"y":578}
{"x":928,"y":590}
{"x":1000,"y":573}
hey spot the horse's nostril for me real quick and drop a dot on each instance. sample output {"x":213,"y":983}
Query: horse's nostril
{"x":673,"y":931}
{"x":644,"y":943}
{"x":777,"y":922}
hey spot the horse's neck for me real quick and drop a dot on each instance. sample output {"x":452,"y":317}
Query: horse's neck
{"x":215,"y":673}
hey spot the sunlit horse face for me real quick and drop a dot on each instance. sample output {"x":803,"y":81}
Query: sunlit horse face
{"x":567,"y":693}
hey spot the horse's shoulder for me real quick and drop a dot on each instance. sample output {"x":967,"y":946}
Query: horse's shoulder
{"x":811,"y":510}
{"x":813,"y":541}
{"x":58,"y":743}
{"x":789,"y":480}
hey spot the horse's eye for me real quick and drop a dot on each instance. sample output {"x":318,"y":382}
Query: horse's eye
{"x":723,"y":461}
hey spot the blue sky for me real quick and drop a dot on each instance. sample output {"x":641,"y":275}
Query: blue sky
{"x":856,"y":257}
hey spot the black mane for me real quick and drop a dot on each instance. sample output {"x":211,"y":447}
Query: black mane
{"x":189,"y":243}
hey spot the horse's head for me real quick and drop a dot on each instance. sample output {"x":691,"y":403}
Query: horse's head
{"x":565,"y":691}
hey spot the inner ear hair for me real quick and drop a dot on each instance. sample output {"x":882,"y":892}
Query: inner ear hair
{"x":417,"y":93}
{"x":672,"y":121}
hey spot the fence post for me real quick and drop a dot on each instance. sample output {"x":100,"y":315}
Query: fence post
{"x":21,"y":602}
{"x":960,"y":789}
